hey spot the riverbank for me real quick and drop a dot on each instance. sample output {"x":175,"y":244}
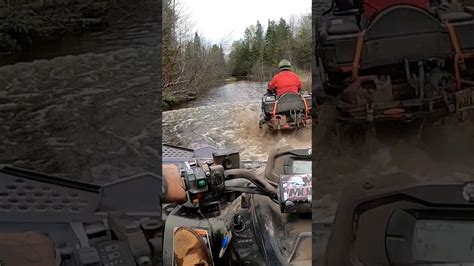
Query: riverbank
{"x":174,"y":98}
{"x":177,"y":99}
{"x":23,"y":26}
{"x":48,"y":32}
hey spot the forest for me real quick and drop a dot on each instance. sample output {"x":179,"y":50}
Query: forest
{"x":190,"y":63}
{"x":257,"y":54}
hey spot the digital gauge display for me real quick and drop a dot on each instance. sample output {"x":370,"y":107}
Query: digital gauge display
{"x":444,"y":241}
{"x":301,"y":167}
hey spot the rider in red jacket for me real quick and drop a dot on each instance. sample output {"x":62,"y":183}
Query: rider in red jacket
{"x":285,"y":81}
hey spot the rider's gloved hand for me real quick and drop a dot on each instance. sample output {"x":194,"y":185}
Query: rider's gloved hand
{"x":271,"y":92}
{"x":173,"y":185}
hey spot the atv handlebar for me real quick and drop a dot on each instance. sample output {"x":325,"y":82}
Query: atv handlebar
{"x":266,"y":186}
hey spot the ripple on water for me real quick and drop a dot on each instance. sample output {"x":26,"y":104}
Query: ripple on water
{"x":91,"y":116}
{"x":229,"y":121}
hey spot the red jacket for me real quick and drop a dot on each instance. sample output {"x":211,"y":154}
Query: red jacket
{"x":373,"y":7}
{"x":284,"y":82}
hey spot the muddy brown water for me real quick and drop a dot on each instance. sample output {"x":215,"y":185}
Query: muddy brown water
{"x":227,"y":117}
{"x":86,"y":107}
{"x":89,"y":117}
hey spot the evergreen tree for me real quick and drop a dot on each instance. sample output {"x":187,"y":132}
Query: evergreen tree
{"x":257,"y":54}
{"x":303,"y":43}
{"x":270,"y":42}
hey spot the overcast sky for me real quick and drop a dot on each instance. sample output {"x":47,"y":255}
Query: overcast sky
{"x":216,"y":19}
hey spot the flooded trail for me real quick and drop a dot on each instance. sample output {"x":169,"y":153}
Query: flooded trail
{"x":227,"y":117}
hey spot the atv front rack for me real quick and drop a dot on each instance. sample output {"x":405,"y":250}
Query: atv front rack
{"x":179,"y":155}
{"x":117,"y":223}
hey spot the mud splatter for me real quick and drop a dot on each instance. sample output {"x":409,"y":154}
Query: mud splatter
{"x":430,"y":152}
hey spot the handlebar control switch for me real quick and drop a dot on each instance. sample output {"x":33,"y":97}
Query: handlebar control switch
{"x":205,"y":185}
{"x":197,"y":180}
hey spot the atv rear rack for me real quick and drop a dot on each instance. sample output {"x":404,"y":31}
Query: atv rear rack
{"x":409,"y":110}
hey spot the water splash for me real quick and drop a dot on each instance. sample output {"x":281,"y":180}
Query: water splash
{"x":228,"y":118}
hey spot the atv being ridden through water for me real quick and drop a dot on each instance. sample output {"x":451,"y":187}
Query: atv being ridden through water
{"x":264,"y":215}
{"x":398,"y":61}
{"x":288,"y":111}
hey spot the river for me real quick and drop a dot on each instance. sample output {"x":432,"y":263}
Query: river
{"x":227,"y":117}
{"x":134,"y":24}
{"x":89,"y":111}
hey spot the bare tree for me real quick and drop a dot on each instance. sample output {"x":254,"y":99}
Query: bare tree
{"x":190,"y":64}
